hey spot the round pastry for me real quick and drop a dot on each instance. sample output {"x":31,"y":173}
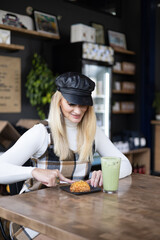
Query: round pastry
{"x":80,"y":186}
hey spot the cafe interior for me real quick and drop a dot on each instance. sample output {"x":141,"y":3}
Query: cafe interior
{"x":116,"y":44}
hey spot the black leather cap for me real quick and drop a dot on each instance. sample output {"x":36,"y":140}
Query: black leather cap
{"x":76,"y":88}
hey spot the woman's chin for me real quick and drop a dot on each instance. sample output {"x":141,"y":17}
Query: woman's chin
{"x":75,"y":120}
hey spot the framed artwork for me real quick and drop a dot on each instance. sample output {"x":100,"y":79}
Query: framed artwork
{"x":100,"y":39}
{"x":10,"y":79}
{"x":117,"y":39}
{"x":46,"y":23}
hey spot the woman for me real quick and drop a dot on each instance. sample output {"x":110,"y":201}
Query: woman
{"x":67,"y":152}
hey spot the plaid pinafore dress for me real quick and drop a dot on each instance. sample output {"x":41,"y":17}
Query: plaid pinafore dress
{"x":70,"y":168}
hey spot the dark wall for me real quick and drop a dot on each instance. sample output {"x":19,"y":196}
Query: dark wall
{"x":129,"y":23}
{"x":157,"y":47}
{"x":132,"y":26}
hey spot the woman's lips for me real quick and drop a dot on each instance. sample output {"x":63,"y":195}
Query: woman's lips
{"x":76,"y":116}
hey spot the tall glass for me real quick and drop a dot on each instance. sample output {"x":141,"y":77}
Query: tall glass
{"x":110,"y":173}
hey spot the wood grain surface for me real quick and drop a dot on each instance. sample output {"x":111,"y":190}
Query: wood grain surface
{"x":132,"y":213}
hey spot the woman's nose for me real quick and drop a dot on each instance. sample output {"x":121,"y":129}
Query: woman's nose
{"x":77,"y":109}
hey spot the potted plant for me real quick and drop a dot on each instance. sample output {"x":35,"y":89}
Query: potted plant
{"x":40,"y":85}
{"x":156,"y":105}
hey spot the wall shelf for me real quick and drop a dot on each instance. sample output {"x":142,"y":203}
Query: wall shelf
{"x":122,"y":72}
{"x":123,"y":91}
{"x":29,"y":32}
{"x":140,"y":156}
{"x":11,"y":47}
{"x":122,"y":109}
{"x":123,"y":51}
{"x":123,"y":112}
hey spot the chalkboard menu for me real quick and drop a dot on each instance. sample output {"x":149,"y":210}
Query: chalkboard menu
{"x":10,"y":84}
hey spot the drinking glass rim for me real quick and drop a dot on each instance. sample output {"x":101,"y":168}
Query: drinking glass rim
{"x":111,"y":158}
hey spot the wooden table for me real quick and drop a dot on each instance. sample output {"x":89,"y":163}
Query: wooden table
{"x":133,"y":213}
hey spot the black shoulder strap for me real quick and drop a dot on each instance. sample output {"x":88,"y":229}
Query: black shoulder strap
{"x":45,"y":123}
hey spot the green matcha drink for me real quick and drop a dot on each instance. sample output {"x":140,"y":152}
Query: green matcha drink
{"x":110,"y":173}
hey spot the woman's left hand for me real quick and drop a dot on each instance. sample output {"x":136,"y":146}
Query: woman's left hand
{"x":96,"y":179}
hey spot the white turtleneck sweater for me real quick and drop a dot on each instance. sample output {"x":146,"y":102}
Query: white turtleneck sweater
{"x":34,"y":143}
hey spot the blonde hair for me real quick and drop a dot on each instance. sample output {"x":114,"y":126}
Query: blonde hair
{"x":86,"y":131}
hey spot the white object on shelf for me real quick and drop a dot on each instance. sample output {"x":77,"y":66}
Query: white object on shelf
{"x":157,"y":117}
{"x":128,"y":86}
{"x":116,"y":106}
{"x":5,"y":36}
{"x":142,"y":142}
{"x":117,"y":85}
{"x":96,"y":107}
{"x":136,"y":141}
{"x":117,"y":66}
{"x":128,"y":67}
{"x":98,"y":52}
{"x":81,"y":32}
{"x":25,"y":20}
{"x":122,"y":146}
{"x":127,"y":106}
{"x":100,"y":88}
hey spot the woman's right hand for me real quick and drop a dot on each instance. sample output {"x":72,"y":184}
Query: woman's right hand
{"x":49,"y":177}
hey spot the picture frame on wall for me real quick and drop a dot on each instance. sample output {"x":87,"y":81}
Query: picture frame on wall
{"x":46,"y":23}
{"x":100,"y":36}
{"x":117,"y":39}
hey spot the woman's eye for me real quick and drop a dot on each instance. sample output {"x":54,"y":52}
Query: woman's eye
{"x":71,"y":104}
